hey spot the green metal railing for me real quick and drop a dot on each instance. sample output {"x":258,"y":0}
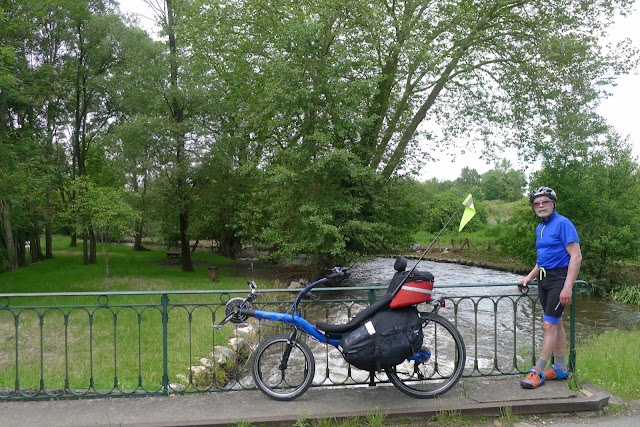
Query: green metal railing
{"x":90,"y":344}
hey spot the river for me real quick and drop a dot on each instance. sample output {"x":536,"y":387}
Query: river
{"x":594,"y":315}
{"x":500,"y":328}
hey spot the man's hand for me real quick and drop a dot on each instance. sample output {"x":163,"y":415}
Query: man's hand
{"x":565,"y":296}
{"x":523,"y":288}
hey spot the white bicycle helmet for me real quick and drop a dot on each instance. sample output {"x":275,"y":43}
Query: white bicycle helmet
{"x":543,"y":191}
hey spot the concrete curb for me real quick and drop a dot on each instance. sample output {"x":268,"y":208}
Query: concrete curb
{"x":527,"y":407}
{"x":489,"y":397}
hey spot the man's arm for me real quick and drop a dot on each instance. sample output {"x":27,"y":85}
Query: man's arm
{"x":529,"y":277}
{"x":572,"y":272}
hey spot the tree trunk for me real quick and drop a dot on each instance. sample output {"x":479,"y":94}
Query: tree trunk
{"x":105,"y":252}
{"x":48,"y":237}
{"x":85,"y":249}
{"x":8,"y":235}
{"x":48,"y":234}
{"x":229,"y":245}
{"x":93,"y":259}
{"x":137,"y":244}
{"x":34,"y":247}
{"x":138,"y":225}
{"x":184,"y":243}
{"x":20,"y":250}
{"x":177,"y":113}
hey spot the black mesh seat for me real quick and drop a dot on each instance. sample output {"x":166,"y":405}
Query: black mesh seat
{"x":382,"y":304}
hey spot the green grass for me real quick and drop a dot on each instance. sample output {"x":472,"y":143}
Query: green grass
{"x":123,"y":340}
{"x":129,"y":270}
{"x":610,"y":361}
{"x":482,"y":239}
{"x":498,"y":210}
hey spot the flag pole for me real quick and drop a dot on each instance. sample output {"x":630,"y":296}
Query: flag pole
{"x":434,"y":240}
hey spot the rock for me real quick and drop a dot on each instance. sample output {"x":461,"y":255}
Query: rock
{"x":221,"y":354}
{"x":195,"y":370}
{"x":177,"y":387}
{"x":244,"y":330}
{"x":237,"y":343}
{"x":206,"y":362}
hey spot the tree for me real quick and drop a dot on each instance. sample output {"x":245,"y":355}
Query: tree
{"x":332,"y":212}
{"x":600,"y":194}
{"x":31,"y":42}
{"x":183,"y":98}
{"x":133,"y":141}
{"x":105,"y":213}
{"x":97,"y":52}
{"x":375,"y":75}
{"x":598,"y":189}
{"x":503,"y":183}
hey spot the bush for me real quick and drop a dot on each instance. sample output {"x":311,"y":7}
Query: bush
{"x":516,"y":237}
{"x":627,"y":295}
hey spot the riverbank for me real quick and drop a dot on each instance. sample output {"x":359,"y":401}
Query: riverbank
{"x":473,"y":257}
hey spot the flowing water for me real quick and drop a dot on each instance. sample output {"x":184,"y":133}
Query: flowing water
{"x":500,"y":328}
{"x":593,"y":315}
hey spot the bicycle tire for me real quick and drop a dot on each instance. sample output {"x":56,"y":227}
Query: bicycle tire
{"x":283,"y":384}
{"x":432,"y":377}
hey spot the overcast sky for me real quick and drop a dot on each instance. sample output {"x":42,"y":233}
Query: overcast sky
{"x":620,"y":109}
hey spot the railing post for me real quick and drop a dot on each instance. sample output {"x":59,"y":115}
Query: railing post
{"x":572,"y":333}
{"x":165,"y":344}
{"x":372,"y":296}
{"x":372,"y":375}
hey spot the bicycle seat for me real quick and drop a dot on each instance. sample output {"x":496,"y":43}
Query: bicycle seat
{"x":381,"y":304}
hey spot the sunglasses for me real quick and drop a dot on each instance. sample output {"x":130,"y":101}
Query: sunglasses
{"x":542,"y":203}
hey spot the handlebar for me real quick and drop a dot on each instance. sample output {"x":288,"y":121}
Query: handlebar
{"x":339,"y":274}
{"x":235,"y":306}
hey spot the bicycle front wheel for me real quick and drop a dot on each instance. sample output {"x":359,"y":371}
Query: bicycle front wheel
{"x":283,"y":370}
{"x":438,"y":366}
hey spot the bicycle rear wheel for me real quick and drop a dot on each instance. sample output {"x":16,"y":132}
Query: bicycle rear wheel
{"x":283,"y":370}
{"x":439,"y":365}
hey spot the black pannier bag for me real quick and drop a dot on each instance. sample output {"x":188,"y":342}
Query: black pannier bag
{"x":386,"y":339}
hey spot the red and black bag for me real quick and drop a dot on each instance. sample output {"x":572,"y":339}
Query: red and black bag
{"x":416,"y":289}
{"x":387,"y":339}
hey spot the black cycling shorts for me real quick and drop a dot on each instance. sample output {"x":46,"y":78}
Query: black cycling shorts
{"x":550,"y":284}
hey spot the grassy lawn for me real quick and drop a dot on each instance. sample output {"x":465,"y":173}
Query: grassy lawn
{"x":87,"y":339}
{"x":129,"y":271}
{"x":610,"y":361}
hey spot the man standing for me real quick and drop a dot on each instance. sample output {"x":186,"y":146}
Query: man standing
{"x":559,"y":259}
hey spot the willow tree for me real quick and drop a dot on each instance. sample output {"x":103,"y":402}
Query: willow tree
{"x":389,"y":83}
{"x":386,"y":78}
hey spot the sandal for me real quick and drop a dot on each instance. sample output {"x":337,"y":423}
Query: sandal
{"x":534,"y":378}
{"x":555,"y":373}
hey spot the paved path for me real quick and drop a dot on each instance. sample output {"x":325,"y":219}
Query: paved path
{"x":472,"y":397}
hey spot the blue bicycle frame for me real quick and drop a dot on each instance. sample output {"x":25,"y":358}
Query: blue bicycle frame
{"x":294,"y":319}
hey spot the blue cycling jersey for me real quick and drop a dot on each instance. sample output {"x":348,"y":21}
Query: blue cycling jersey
{"x":552,"y":238}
